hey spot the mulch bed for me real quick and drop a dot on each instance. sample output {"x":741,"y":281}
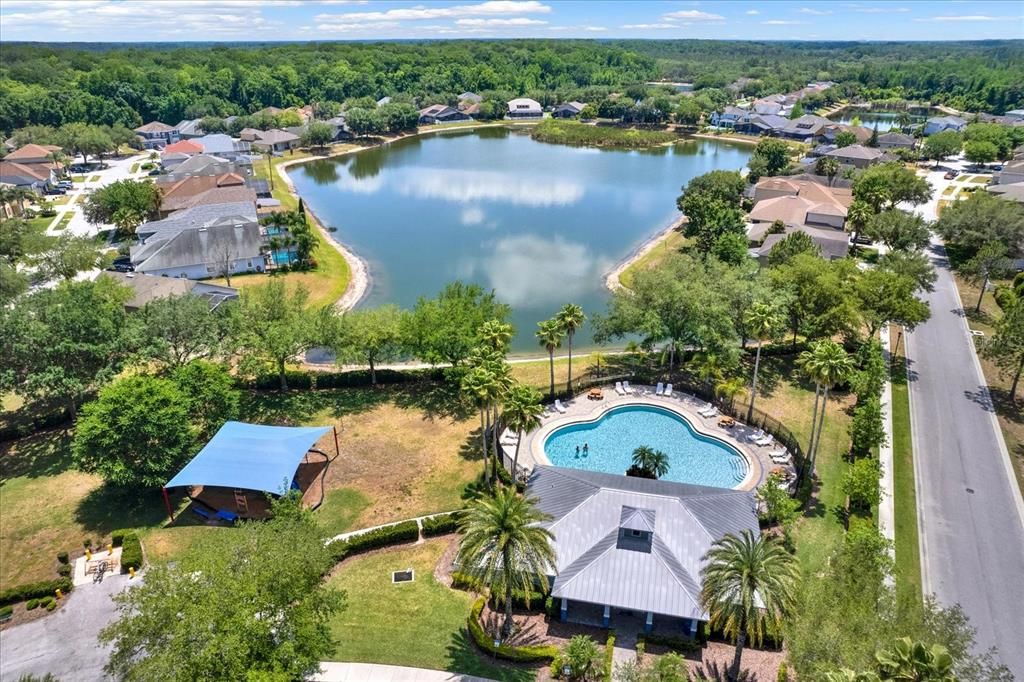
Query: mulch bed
{"x":22,"y":615}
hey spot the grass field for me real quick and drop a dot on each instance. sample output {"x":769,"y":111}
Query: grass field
{"x":64,"y":220}
{"x":419,"y":624}
{"x":671,"y":243}
{"x":908,"y":555}
{"x":94,"y":178}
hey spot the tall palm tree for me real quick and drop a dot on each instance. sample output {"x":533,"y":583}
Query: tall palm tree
{"x":496,"y":335}
{"x":828,"y":364}
{"x":549,"y":334}
{"x":827,"y":166}
{"x":571,"y":318}
{"x":479,"y":384}
{"x":903,"y":119}
{"x":521,"y":412}
{"x":727,"y":388}
{"x":651,"y":461}
{"x":762,"y":320}
{"x":505,"y":547}
{"x":857,"y":217}
{"x":748,"y":588}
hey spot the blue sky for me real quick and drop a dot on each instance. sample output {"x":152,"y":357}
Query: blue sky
{"x":177,"y":20}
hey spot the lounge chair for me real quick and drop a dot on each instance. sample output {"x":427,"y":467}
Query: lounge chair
{"x":763,"y":440}
{"x":559,"y":406}
{"x":659,"y":388}
{"x":627,"y":388}
{"x":780,"y":457}
{"x":668,"y":391}
{"x":708,"y":412}
{"x":619,"y":389}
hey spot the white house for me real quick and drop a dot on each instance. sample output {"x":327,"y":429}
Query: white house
{"x":524,"y":107}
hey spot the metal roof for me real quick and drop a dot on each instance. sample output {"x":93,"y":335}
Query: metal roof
{"x":600,"y":561}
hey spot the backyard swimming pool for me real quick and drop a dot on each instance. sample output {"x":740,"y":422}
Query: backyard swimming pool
{"x":611,"y":440}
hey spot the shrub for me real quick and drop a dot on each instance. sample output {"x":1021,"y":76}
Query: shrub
{"x":62,"y":557}
{"x":87,"y":543}
{"x":51,"y":605}
{"x":271,"y":382}
{"x":552,"y":608}
{"x":131,"y":550}
{"x":783,"y":674}
{"x":441,"y":525}
{"x":117,"y":537}
{"x":520,"y":654}
{"x":406,"y":531}
{"x":19,"y":593}
{"x":683,"y":645}
{"x":147,"y":166}
{"x":5,"y":612}
{"x":64,"y":570}
{"x":31,"y":604}
{"x":609,"y":653}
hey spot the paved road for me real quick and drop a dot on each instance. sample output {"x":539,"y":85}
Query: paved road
{"x":64,"y":643}
{"x":970,"y":513}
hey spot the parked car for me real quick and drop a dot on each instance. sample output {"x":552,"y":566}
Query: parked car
{"x":155,"y":171}
{"x":951,"y":174}
{"x":50,"y":191}
{"x":997,"y":168}
{"x":78,"y":168}
{"x":66,"y":184}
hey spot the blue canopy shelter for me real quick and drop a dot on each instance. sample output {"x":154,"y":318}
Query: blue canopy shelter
{"x":243,"y":458}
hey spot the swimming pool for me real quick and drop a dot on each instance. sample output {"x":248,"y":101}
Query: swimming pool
{"x":611,"y":440}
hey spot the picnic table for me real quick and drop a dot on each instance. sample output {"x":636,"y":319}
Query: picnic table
{"x":595,"y":394}
{"x":726,"y":422}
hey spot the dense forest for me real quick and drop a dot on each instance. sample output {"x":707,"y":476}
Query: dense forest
{"x":53,"y":84}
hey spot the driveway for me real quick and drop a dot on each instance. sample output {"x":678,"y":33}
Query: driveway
{"x":970,"y":512}
{"x":120,"y":169}
{"x":64,"y":643}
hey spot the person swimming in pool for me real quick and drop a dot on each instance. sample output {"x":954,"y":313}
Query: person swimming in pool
{"x":577,"y":452}
{"x":586,"y":449}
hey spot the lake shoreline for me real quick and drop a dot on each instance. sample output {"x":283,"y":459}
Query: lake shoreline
{"x":612,"y":281}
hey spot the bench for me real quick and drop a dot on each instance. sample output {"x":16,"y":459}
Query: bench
{"x":200,"y":512}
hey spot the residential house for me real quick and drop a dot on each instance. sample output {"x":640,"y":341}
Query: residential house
{"x":726,"y":118}
{"x":628,"y":546}
{"x":860,"y":133}
{"x":32,"y":166}
{"x":791,"y":185}
{"x":37,"y":155}
{"x":276,"y":141}
{"x":249,"y":134}
{"x":207,"y":164}
{"x":149,"y":288}
{"x":801,"y":205}
{"x":760,"y":124}
{"x":1010,"y":192}
{"x":857,"y":155}
{"x":471,"y":109}
{"x":894,"y":140}
{"x":441,"y":113}
{"x":470,"y":97}
{"x":207,"y":251}
{"x":567,"y":110}
{"x":1012,"y":173}
{"x":832,"y":245}
{"x":524,"y":107}
{"x":188,"y":129}
{"x":237,"y":213}
{"x":805,"y":128}
{"x":224,"y":146}
{"x":773,"y":105}
{"x":156,"y":134}
{"x":187,"y":147}
{"x":938,"y":124}
{"x":181,"y":193}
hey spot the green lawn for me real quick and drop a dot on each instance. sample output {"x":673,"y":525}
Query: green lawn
{"x":94,"y":178}
{"x":419,"y":624}
{"x":64,"y":220}
{"x":134,"y":168}
{"x":908,"y":557}
{"x":671,"y":243}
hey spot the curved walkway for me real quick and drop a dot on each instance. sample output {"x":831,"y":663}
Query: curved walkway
{"x":375,"y":672}
{"x":531,"y":452}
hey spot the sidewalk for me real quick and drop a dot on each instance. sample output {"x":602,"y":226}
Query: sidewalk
{"x":886,"y":505}
{"x":373,"y":672}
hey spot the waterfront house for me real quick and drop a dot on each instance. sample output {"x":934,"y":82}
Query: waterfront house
{"x":207,"y":251}
{"x":633,"y":547}
{"x":726,"y":118}
{"x":470,"y":97}
{"x":148,"y":288}
{"x":831,"y":131}
{"x":524,"y":107}
{"x":275,"y":141}
{"x":894,"y":140}
{"x":831,"y":244}
{"x":938,"y":124}
{"x":857,"y":155}
{"x":806,"y":128}
{"x":223,"y":146}
{"x":441,"y":113}
{"x":760,"y":124}
{"x":567,"y":110}
{"x":156,"y":134}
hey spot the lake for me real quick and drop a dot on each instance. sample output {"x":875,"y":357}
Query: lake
{"x":540,"y":224}
{"x":885,"y":120}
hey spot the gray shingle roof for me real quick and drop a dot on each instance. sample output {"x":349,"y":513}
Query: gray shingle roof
{"x":197,"y":247}
{"x":200,"y":216}
{"x":600,"y":561}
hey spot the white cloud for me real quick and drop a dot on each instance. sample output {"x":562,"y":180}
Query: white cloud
{"x":885,"y":9}
{"x":782,"y":22}
{"x":349,"y":27}
{"x":693,"y":15}
{"x":514,"y":21}
{"x":969,"y":17}
{"x":472,"y":215}
{"x":649,"y":26}
{"x":595,"y":29}
{"x":815,"y":12}
{"x":420,"y":12}
{"x":752,"y":12}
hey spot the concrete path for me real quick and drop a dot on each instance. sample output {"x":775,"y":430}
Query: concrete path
{"x":886,"y":506}
{"x":970,"y":511}
{"x":64,"y":642}
{"x":373,"y":672}
{"x":418,"y":519}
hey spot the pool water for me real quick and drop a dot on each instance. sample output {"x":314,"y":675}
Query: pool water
{"x":611,"y":440}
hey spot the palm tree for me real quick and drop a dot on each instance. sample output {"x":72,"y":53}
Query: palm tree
{"x":728,"y":388}
{"x":521,"y":412}
{"x":709,"y":368}
{"x":761,"y":320}
{"x":496,"y":335}
{"x":827,"y":364}
{"x":571,"y":318}
{"x":650,"y":461}
{"x":479,"y":384}
{"x":549,"y":334}
{"x":913,"y":662}
{"x":903,"y":119}
{"x":505,"y":547}
{"x":857,"y":217}
{"x":828,"y":166}
{"x":748,"y":588}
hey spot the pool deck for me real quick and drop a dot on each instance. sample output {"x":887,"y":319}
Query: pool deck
{"x":581,"y":409}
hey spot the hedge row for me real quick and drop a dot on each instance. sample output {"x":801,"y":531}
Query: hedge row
{"x":609,"y":653}
{"x":308,"y":380}
{"x":463,"y":581}
{"x":683,"y":645}
{"x":43,"y":588}
{"x":406,"y":531}
{"x":442,"y":524}
{"x":518,"y":654}
{"x":131,"y":549}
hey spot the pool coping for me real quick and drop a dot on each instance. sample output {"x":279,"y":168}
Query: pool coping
{"x":580,"y":410}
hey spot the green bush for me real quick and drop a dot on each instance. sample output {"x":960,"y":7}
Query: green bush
{"x":87,"y":543}
{"x":783,"y":674}
{"x":62,"y":557}
{"x":51,"y":605}
{"x":406,"y":531}
{"x":5,"y":612}
{"x":131,"y":550}
{"x":31,"y":604}
{"x":272,"y":382}
{"x":117,"y":537}
{"x":441,"y":525}
{"x":44,"y":588}
{"x":147,"y":166}
{"x":463,"y":581}
{"x":683,"y":645}
{"x":553,"y":608}
{"x":519,"y":654}
{"x":609,"y":653}
{"x":64,"y":570}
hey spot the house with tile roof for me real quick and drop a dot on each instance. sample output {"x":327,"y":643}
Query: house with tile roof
{"x":149,"y":288}
{"x":632,"y":546}
{"x":801,"y":205}
{"x":32,"y":166}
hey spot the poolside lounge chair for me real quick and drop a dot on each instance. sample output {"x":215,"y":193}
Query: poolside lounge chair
{"x":668,"y":391}
{"x":763,"y":440}
{"x":708,"y":412}
{"x":659,"y":388}
{"x":780,"y":457}
{"x":559,"y":406}
{"x":619,"y":389}
{"x":627,"y":388}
